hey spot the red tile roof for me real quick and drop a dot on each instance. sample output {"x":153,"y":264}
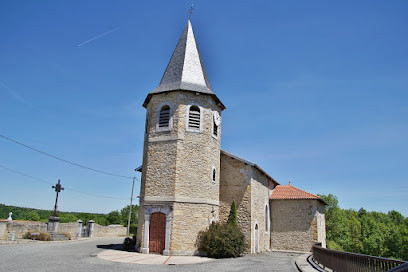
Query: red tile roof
{"x":291,"y":192}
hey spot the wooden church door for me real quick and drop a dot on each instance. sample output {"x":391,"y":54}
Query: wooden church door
{"x":157,"y":232}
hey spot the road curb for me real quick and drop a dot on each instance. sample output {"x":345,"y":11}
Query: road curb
{"x":305,"y":264}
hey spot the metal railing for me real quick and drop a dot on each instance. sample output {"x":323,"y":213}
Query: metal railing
{"x":340,"y":261}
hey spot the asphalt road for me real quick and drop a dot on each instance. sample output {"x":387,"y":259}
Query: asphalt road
{"x":77,"y":256}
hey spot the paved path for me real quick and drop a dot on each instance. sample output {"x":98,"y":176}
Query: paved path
{"x":80,"y":256}
{"x":138,"y":258}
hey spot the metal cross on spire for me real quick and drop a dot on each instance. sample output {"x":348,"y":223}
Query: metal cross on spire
{"x":58,"y":189}
{"x":191,"y":10}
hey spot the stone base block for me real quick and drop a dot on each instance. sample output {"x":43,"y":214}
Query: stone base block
{"x":182,"y":252}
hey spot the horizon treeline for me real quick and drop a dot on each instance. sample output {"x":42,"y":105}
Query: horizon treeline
{"x":112,"y":218}
{"x":366,"y":232}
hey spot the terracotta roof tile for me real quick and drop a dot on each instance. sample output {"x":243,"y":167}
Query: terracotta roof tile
{"x":291,"y":192}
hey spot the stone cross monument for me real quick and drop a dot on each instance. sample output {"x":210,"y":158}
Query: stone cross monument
{"x":53,"y":221}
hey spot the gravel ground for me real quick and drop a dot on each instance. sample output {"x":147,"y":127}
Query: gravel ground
{"x":78,"y":256}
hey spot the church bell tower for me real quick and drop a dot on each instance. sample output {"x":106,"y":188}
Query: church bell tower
{"x":179,"y":194}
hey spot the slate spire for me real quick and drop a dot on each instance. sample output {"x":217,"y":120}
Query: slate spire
{"x":185,"y":70}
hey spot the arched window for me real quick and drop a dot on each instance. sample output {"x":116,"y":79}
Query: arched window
{"x":256,"y":238}
{"x":194,"y":118}
{"x":266,"y":218}
{"x":164,"y":117}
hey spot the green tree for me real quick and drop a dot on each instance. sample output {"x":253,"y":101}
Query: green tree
{"x":32,"y":216}
{"x":355,"y":244}
{"x":373,"y":238}
{"x":396,"y":217}
{"x":362,"y":212}
{"x":232,"y":217}
{"x":403,"y":249}
{"x":336,"y":223}
{"x":101,"y":220}
{"x":114,"y":218}
{"x":68,"y":217}
{"x":124,"y":214}
{"x":331,"y":200}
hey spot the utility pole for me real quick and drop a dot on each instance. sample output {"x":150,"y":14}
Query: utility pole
{"x":130,"y":208}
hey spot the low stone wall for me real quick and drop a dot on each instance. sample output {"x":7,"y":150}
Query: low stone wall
{"x":71,"y":228}
{"x":19,"y":228}
{"x":22,"y":227}
{"x":107,"y":231}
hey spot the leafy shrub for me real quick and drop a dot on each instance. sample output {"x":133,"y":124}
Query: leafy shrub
{"x":66,"y":234}
{"x":133,"y":229}
{"x":129,"y":243}
{"x":222,"y":241}
{"x":44,"y":236}
{"x":333,"y":245}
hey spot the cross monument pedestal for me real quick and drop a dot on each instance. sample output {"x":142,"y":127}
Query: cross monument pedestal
{"x":53,"y":223}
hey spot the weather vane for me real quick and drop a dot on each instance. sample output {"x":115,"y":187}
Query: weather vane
{"x":191,"y":10}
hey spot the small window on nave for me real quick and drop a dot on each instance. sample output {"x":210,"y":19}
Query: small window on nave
{"x":266,"y":218}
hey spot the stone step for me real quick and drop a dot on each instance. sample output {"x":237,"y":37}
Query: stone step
{"x":57,"y":236}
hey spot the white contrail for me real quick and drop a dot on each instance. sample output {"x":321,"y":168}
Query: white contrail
{"x":97,"y":37}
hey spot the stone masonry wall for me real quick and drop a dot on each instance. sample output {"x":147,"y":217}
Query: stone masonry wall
{"x":109,"y":231}
{"x":178,"y":163}
{"x":3,"y":230}
{"x":234,"y":186}
{"x":71,"y":228}
{"x":295,"y":224}
{"x":188,"y":220}
{"x":197,"y":153}
{"x":260,"y":201}
{"x":22,"y":227}
{"x":140,"y":226}
{"x":321,"y":223}
{"x":161,"y":169}
{"x":177,"y":167}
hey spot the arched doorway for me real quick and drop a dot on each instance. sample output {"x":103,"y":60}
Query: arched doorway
{"x":157,"y":232}
{"x":256,"y":238}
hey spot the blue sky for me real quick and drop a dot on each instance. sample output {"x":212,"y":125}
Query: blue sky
{"x":316,"y":93}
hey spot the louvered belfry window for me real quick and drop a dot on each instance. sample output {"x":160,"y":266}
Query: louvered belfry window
{"x":215,"y":129}
{"x":164,"y":118}
{"x":194,"y":118}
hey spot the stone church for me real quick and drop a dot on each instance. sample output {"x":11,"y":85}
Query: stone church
{"x":188,"y":182}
